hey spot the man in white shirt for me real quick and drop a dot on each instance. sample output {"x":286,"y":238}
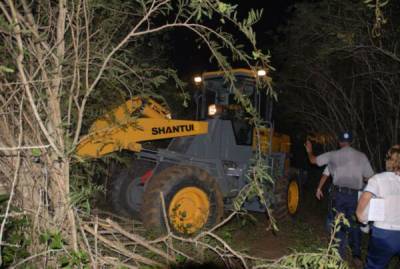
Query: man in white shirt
{"x":385,"y":236}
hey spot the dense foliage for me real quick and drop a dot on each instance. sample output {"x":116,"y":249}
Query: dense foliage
{"x":66,"y":62}
{"x":335,"y":72}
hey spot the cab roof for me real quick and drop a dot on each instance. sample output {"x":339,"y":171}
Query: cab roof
{"x":237,"y":72}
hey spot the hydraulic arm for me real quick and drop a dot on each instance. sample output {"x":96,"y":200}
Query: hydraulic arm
{"x":135,"y":121}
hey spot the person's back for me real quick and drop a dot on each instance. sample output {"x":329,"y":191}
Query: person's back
{"x":386,"y":186}
{"x":348,"y":167}
{"x":384,"y":241}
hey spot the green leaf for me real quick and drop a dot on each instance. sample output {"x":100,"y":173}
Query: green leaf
{"x":3,"y":198}
{"x":180,"y":259}
{"x":384,"y":3}
{"x":222,"y":7}
{"x":44,"y":238}
{"x":56,"y":241}
{"x":256,"y":55}
{"x":5,"y":69}
{"x":36,"y":152}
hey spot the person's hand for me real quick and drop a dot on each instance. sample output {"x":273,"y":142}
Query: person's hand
{"x":319,"y":194}
{"x":308,"y":146}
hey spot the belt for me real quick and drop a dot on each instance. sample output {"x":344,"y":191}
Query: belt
{"x":344,"y":189}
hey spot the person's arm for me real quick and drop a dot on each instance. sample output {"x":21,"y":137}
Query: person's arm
{"x":311,"y":156}
{"x":319,"y":194}
{"x":362,"y":204}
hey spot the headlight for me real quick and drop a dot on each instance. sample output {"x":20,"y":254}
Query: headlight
{"x":197,"y":80}
{"x":261,"y":73}
{"x":214,"y":110}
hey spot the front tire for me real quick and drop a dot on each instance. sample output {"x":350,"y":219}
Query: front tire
{"x":193,"y":200}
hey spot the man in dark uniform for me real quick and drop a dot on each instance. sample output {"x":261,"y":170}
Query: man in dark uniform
{"x":348,"y":168}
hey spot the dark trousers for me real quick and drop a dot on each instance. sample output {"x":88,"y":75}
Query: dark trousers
{"x":383,"y":245}
{"x":346,"y":203}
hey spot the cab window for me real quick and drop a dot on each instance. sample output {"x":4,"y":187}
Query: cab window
{"x":243,"y":132}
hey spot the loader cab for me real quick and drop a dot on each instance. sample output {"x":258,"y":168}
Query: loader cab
{"x":216,"y":98}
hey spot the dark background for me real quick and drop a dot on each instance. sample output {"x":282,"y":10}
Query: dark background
{"x":190,"y":59}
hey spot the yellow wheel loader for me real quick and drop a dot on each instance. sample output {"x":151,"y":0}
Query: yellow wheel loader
{"x":191,"y":182}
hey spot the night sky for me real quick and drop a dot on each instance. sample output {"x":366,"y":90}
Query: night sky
{"x":190,"y":59}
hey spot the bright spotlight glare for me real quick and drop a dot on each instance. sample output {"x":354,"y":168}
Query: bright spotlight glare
{"x":261,"y":73}
{"x":212,"y":110}
{"x":197,"y":79}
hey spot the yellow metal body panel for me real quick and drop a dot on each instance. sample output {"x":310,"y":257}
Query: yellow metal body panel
{"x":126,"y":112}
{"x":280,"y":142}
{"x":134,"y":121}
{"x":128,"y":135}
{"x":322,"y":138}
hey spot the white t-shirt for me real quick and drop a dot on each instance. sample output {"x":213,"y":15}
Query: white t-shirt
{"x":326,"y":171}
{"x":387,"y":186}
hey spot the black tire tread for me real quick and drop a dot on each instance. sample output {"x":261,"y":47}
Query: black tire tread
{"x":151,"y":212}
{"x":119,"y":185}
{"x":281,"y":211}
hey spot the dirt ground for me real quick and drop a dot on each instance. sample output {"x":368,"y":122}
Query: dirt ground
{"x":298,"y":234}
{"x":305,"y":232}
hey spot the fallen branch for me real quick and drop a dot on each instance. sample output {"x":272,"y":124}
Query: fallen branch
{"x":44,"y":253}
{"x":141,"y":241}
{"x":92,"y":260}
{"x":118,"y":264}
{"x":121,"y":249}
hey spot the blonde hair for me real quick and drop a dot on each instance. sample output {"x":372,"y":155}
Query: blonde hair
{"x":393,"y":159}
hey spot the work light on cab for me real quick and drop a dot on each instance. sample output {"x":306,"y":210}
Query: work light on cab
{"x":214,"y":110}
{"x":197,"y":79}
{"x":261,"y":73}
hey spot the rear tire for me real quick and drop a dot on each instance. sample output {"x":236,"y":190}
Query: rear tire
{"x":193,"y":200}
{"x":127,"y":189}
{"x":287,"y":197}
